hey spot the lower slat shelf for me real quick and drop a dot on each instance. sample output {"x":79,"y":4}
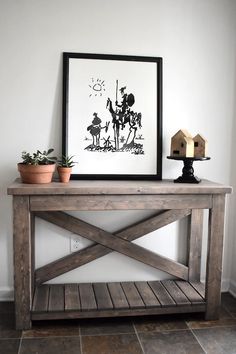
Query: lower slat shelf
{"x":61,"y":301}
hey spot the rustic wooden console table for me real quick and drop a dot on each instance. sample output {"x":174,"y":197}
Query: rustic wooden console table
{"x":35,"y":300}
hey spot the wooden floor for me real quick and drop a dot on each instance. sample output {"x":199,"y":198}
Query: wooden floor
{"x":54,"y":301}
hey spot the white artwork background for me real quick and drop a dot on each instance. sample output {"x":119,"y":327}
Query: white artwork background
{"x":140,"y":79}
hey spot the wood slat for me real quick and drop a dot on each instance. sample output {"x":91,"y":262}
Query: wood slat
{"x":147,"y":294}
{"x":175,"y":292}
{"x":56,"y":298}
{"x":118,"y":296}
{"x":162,"y":294}
{"x":41,"y":298}
{"x":72,"y":300}
{"x":93,"y":252}
{"x":199,"y":287}
{"x":87,"y":297}
{"x":190,"y":292}
{"x":119,"y":202}
{"x":132,"y":295}
{"x":102,"y":295}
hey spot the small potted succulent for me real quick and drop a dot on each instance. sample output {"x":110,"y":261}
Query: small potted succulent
{"x":37,"y":167}
{"x":64,"y":168}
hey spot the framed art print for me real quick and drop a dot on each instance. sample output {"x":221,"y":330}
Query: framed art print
{"x":112,"y":116}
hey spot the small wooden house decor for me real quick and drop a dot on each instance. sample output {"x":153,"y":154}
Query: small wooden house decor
{"x":182,"y":144}
{"x":200,"y":146}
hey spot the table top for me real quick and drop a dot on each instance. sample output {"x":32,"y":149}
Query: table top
{"x":101,"y":187}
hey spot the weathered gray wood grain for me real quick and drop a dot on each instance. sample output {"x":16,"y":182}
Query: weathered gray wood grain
{"x":22,"y":261}
{"x":102,"y":296}
{"x":87,"y":297}
{"x":132,"y":295}
{"x":147,"y":295}
{"x":56,"y":300}
{"x":175,"y":292}
{"x":72,"y":299}
{"x":118,"y":202}
{"x":195,"y":244}
{"x":214,"y":258}
{"x":136,"y":293}
{"x":118,"y":297}
{"x":162,"y":294}
{"x":117,"y":187}
{"x":41,"y":298}
{"x":190,"y":292}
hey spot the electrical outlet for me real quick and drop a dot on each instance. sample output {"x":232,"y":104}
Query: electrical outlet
{"x":75,"y":243}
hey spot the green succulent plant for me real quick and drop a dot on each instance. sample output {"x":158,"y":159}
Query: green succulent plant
{"x":66,"y":161}
{"x":38,"y":157}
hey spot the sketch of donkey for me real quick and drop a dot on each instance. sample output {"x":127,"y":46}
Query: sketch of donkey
{"x":95,"y":129}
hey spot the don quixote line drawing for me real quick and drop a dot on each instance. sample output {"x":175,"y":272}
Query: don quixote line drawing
{"x":123,"y":132}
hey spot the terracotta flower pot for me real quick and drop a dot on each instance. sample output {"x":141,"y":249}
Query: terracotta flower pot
{"x":36,"y":173}
{"x":64,"y":173}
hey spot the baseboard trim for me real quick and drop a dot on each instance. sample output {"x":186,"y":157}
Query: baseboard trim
{"x":6,"y":293}
{"x":225,"y":285}
{"x":232,"y":288}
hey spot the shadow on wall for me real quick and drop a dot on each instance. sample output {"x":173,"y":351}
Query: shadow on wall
{"x":55,"y":137}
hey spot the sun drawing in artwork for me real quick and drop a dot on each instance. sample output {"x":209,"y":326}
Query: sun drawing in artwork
{"x":97,"y":87}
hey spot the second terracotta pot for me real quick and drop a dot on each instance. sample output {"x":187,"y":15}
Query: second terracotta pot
{"x":64,"y":173}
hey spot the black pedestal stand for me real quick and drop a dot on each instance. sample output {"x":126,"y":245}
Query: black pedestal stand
{"x":188,"y":171}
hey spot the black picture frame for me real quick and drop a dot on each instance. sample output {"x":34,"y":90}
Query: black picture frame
{"x":114,"y":147}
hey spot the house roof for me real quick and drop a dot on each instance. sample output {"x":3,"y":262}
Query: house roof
{"x":188,"y":140}
{"x":199,"y":137}
{"x":182,"y":132}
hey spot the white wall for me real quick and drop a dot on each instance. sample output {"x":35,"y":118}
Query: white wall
{"x":196,"y":39}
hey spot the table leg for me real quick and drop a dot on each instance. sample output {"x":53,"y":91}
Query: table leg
{"x":22,"y":261}
{"x":195,"y":245}
{"x":214,"y":257}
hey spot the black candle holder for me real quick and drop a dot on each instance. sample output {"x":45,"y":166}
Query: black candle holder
{"x":188,"y":171}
